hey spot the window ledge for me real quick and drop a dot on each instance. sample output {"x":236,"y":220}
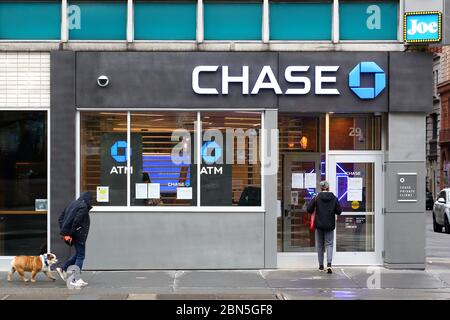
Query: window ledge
{"x":150,"y":209}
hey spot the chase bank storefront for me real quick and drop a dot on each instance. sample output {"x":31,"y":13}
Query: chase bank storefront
{"x":206,"y":160}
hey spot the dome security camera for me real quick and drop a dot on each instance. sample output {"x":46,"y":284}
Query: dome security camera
{"x":103,"y":81}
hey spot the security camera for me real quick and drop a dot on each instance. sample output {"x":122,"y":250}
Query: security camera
{"x":103,"y":81}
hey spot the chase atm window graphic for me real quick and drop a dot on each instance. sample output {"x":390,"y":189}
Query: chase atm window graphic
{"x":119,"y":151}
{"x":422,"y":26}
{"x":211,"y":152}
{"x":358,"y":72}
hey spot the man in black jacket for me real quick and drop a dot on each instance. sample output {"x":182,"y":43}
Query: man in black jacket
{"x":327,"y":206}
{"x":74,"y":224}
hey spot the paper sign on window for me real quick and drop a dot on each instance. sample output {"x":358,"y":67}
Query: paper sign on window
{"x":297,"y":180}
{"x":354,"y":195}
{"x":294,"y":198}
{"x":184,"y":193}
{"x":41,"y":204}
{"x":141,"y":191}
{"x":153,"y":191}
{"x":310,"y":180}
{"x":102,"y":194}
{"x":355,"y":183}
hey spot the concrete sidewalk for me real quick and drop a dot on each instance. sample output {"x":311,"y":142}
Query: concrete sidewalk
{"x":344,"y":283}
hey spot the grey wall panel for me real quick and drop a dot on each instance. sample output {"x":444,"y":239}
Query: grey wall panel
{"x":406,"y":136}
{"x":411,"y":82}
{"x":404,"y":223}
{"x":271,"y":124}
{"x":405,"y":238}
{"x":164,"y":80}
{"x":184,"y":240}
{"x":347,"y":101}
{"x":391,"y":190}
{"x":62,"y":133}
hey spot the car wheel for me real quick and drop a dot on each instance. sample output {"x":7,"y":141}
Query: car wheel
{"x":447,"y":225}
{"x":437,"y":227}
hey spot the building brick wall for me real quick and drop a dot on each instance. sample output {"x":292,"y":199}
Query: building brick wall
{"x":24,"y":79}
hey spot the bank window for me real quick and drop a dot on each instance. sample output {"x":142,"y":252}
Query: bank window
{"x":362,"y":132}
{"x":97,"y":20}
{"x":159,"y":20}
{"x":368,"y":20}
{"x":103,"y":159}
{"x":23,"y":182}
{"x":25,"y":20}
{"x":164,"y":173}
{"x":230,"y":171}
{"x":160,"y":161}
{"x":233,"y":20}
{"x":300,"y":20}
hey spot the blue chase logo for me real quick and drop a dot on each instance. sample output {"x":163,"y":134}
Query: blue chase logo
{"x":354,"y":80}
{"x":422,"y":26}
{"x":215,"y":148}
{"x":118,"y":151}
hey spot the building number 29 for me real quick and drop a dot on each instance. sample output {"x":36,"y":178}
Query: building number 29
{"x":355,"y":132}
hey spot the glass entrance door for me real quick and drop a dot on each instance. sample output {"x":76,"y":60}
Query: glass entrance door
{"x":356,"y":181}
{"x":301,"y":178}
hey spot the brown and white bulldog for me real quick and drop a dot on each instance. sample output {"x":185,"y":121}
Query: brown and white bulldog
{"x":33,"y":264}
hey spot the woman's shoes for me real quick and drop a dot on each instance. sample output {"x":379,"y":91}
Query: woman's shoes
{"x":329,"y":271}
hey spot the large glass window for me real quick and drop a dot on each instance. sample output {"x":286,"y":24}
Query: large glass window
{"x":23,"y":182}
{"x":230,"y":170}
{"x":166,"y":175}
{"x":97,"y":20}
{"x":368,"y":20}
{"x":163,"y":170}
{"x":158,"y":20}
{"x":232,"y":20}
{"x":103,"y":157}
{"x":25,"y":20}
{"x":360,"y":132}
{"x":300,"y":21}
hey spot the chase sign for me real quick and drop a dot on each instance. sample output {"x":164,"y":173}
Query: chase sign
{"x":422,"y":26}
{"x":354,"y":80}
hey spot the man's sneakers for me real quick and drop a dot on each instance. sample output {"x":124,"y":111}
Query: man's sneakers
{"x":321,"y":268}
{"x":77,"y":284}
{"x":81,"y":282}
{"x":62,"y":273}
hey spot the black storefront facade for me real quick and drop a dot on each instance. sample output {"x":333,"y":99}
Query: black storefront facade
{"x":203,"y":218}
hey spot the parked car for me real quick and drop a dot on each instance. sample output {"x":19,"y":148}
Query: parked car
{"x":441,"y":212}
{"x":429,"y":201}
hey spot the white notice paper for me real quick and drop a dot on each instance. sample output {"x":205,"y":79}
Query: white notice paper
{"x":184,"y":193}
{"x":294,"y":198}
{"x":355,"y":183}
{"x":153,"y":191}
{"x":141,"y":191}
{"x":297,"y":180}
{"x":310,"y":180}
{"x":102,"y":194}
{"x":354,"y":195}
